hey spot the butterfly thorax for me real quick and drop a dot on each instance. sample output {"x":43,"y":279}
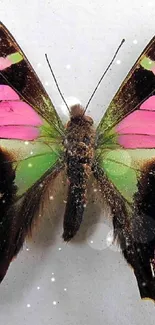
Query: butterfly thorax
{"x":79,"y":155}
{"x":79,"y":140}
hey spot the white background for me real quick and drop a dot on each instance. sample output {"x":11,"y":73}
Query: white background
{"x":83,"y":282}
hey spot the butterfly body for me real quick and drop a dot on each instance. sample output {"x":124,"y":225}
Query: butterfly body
{"x":35,"y":147}
{"x":79,"y":156}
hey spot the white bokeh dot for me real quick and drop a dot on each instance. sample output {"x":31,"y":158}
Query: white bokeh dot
{"x":68,"y":66}
{"x":144,"y":284}
{"x":28,"y":305}
{"x":53,"y":279}
{"x":118,"y":62}
{"x":54,"y":303}
{"x":109,"y":238}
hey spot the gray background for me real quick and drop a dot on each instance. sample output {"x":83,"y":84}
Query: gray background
{"x":83,"y":282}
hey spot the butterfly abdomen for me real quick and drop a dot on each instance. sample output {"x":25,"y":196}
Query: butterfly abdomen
{"x":79,"y":157}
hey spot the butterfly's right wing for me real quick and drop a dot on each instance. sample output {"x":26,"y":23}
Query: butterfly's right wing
{"x":27,"y":170}
{"x":17,"y":72}
{"x":19,"y":216}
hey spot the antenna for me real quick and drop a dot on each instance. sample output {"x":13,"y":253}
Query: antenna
{"x":104,"y":74}
{"x":56,"y":82}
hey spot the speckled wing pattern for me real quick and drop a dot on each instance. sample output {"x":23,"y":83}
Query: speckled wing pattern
{"x":125,"y":167}
{"x":31,"y":150}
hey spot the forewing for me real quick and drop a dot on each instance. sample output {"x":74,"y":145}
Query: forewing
{"x":137,"y":87}
{"x":30,"y":130}
{"x":16,"y":71}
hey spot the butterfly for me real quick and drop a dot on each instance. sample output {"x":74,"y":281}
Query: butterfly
{"x":119,"y":154}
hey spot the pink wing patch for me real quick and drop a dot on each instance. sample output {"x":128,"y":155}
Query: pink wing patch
{"x":7,"y":93}
{"x":4,"y":63}
{"x":19,"y":132}
{"x":18,"y":120}
{"x":149,"y":104}
{"x":137,"y":130}
{"x":132,"y":141}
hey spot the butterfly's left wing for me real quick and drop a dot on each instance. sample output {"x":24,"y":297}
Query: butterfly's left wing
{"x":125,"y":168}
{"x":31,"y":149}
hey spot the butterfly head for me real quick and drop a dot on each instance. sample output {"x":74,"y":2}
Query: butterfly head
{"x":77,"y":112}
